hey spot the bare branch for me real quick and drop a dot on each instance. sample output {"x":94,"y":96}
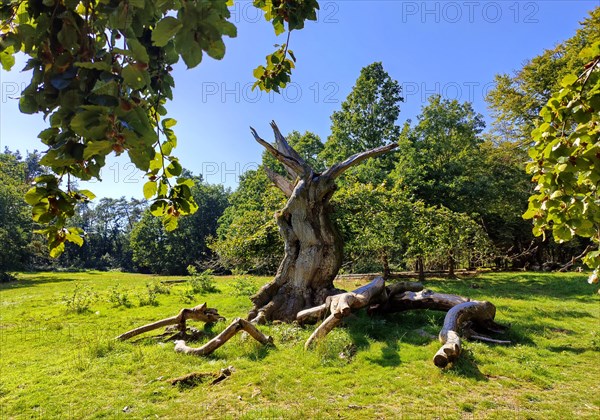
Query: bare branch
{"x":284,"y":147}
{"x":339,"y":168}
{"x":280,"y":182}
{"x":296,"y":168}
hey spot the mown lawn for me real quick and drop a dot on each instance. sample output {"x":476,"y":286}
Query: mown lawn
{"x":60,"y":364}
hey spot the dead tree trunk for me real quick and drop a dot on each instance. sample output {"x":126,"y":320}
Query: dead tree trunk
{"x":313,"y":246}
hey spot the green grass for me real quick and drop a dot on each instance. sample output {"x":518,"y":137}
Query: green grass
{"x":59,"y":364}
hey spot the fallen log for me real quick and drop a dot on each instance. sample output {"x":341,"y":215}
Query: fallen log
{"x":312,"y":315}
{"x":197,"y":313}
{"x":424,"y":299}
{"x":237,"y":325}
{"x":342,"y":305}
{"x":459,"y":322}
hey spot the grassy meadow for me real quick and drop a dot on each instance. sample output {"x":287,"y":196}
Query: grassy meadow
{"x":59,"y":359}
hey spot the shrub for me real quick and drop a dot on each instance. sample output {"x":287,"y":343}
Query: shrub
{"x":80,"y":300}
{"x":117,"y":298}
{"x":243,"y":286}
{"x":201,"y":282}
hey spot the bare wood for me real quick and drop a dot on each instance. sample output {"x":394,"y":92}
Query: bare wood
{"x":339,"y":168}
{"x":311,"y":315}
{"x":297,"y":168}
{"x":458,"y":319}
{"x":280,"y":182}
{"x":342,"y":305}
{"x":425,"y":299}
{"x":284,"y":147}
{"x":404,"y":286}
{"x":197,"y":313}
{"x":322,"y":330}
{"x":237,"y":325}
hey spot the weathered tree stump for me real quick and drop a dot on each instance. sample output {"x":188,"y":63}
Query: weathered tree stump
{"x":313,"y":246}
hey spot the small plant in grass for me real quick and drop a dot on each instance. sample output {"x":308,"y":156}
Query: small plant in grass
{"x":203,"y":282}
{"x":187,"y":296}
{"x":150,"y":297}
{"x":118,"y":297}
{"x":80,"y":300}
{"x":243,"y":286}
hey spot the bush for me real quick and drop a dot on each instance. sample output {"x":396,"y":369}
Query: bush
{"x":201,"y":282}
{"x":6,"y":277}
{"x":117,"y":298}
{"x":80,"y":300}
{"x":150,"y":297}
{"x":243,"y":286}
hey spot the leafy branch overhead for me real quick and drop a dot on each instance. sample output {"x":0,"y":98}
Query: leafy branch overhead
{"x":101,"y":75}
{"x":566,"y":161}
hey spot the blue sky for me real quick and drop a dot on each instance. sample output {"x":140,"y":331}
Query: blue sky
{"x":453,"y":48}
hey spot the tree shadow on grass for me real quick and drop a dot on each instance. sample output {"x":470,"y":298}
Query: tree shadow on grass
{"x":466,"y":366}
{"x":520,"y":285}
{"x":43,"y":278}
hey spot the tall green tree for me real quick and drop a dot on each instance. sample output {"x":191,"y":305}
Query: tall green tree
{"x":440,"y":156}
{"x":15,"y":222}
{"x":367,"y":120}
{"x":157,"y":250}
{"x":517,"y":99}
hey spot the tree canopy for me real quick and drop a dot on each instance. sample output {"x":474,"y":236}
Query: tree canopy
{"x":101,"y":76}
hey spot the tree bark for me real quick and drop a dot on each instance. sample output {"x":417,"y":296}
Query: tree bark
{"x":313,"y":246}
{"x":342,"y":305}
{"x":237,"y":325}
{"x":458,"y":323}
{"x":197,"y":313}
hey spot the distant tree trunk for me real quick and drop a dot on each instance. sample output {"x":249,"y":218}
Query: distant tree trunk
{"x":387,"y":272}
{"x":451,"y":263}
{"x":313,"y":247}
{"x":420,"y":268}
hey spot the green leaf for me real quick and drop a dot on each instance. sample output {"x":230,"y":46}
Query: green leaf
{"x":568,"y":80}
{"x":94,"y":148}
{"x":98,"y":65}
{"x":158,"y":208}
{"x":174,"y":169}
{"x":138,"y":50}
{"x":165,"y":30}
{"x":134,"y":77}
{"x":90,"y":195}
{"x":7,"y":59}
{"x":35,"y":194}
{"x":170,"y":222}
{"x":150,"y":189}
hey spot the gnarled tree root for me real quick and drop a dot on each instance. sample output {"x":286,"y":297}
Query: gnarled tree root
{"x":237,"y":325}
{"x":464,"y":318}
{"x":458,"y":322}
{"x":342,"y":305}
{"x":197,"y":313}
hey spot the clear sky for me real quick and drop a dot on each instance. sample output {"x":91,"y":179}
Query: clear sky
{"x":453,"y":48}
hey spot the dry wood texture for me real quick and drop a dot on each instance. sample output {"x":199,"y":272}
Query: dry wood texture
{"x":197,"y":313}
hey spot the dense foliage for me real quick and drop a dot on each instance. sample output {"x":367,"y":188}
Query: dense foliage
{"x":101,"y":76}
{"x":566,"y":160}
